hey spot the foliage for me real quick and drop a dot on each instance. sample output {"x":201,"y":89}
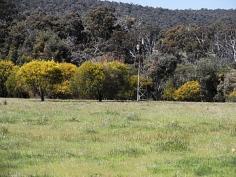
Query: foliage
{"x":146,"y":83}
{"x":14,"y":88}
{"x":180,"y":45}
{"x":68,"y":70}
{"x":89,"y":80}
{"x":220,"y":96}
{"x":192,"y":40}
{"x":161,"y":70}
{"x":106,"y":80}
{"x":77,"y":30}
{"x":157,"y":16}
{"x":101,"y":22}
{"x":207,"y":75}
{"x":6,"y":69}
{"x":116,"y":80}
{"x":49,"y":45}
{"x":190,"y":91}
{"x":230,"y":81}
{"x":63,"y":89}
{"x":8,"y":12}
{"x":39,"y":76}
{"x":232,"y":96}
{"x":169,"y":91}
{"x":184,"y":73}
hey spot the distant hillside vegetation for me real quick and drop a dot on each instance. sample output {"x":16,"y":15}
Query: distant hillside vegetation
{"x":162,"y":17}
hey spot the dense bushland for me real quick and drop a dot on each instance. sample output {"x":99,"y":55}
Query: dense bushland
{"x":111,"y":80}
{"x":173,"y":47}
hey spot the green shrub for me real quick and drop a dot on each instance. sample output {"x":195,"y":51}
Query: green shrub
{"x":206,"y":70}
{"x":230,"y":84}
{"x":220,"y":96}
{"x":106,"y":80}
{"x":232,"y":97}
{"x":190,"y":91}
{"x":6,"y":68}
{"x":89,"y":80}
{"x":116,"y":80}
{"x":184,"y":73}
{"x":169,"y":91}
{"x":131,"y":91}
{"x":13,"y":86}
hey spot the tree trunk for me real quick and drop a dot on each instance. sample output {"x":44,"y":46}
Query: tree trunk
{"x":42,"y":95}
{"x":100,"y":97}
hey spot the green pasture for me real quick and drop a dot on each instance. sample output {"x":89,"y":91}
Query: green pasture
{"x":116,"y":139}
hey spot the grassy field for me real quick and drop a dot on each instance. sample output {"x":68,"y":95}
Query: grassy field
{"x":112,"y":139}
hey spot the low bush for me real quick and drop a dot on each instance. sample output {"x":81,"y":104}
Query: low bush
{"x":232,"y":97}
{"x":131,"y":91}
{"x":190,"y":91}
{"x":106,"y":80}
{"x":88,"y":81}
{"x":169,"y":91}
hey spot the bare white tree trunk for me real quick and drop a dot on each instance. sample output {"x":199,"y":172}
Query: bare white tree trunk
{"x":233,"y":45}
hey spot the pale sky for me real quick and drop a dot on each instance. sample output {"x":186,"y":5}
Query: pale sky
{"x":185,"y":4}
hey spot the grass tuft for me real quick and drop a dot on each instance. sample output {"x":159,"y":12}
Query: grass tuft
{"x":4,"y":131}
{"x":5,"y":102}
{"x":203,"y":170}
{"x":42,"y":120}
{"x":126,"y":151}
{"x":173,"y":144}
{"x":233,"y":131}
{"x":132,"y":116}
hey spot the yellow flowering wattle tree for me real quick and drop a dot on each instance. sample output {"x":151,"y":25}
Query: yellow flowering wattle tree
{"x":40,"y":76}
{"x":6,"y":69}
{"x":190,"y":91}
{"x":89,"y":80}
{"x":63,"y":90}
{"x":105,"y":80}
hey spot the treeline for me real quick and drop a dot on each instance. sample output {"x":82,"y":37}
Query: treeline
{"x":194,"y":51}
{"x":113,"y":81}
{"x":92,"y":80}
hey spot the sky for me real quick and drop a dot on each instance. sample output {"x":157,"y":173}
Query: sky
{"x":185,"y":4}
